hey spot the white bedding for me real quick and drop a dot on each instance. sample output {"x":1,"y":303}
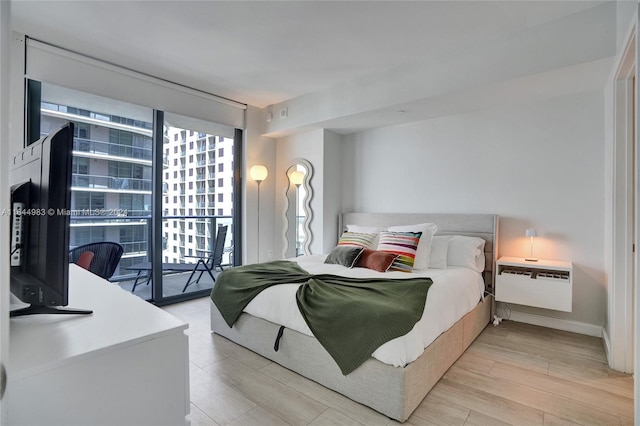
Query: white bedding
{"x":454,"y":293}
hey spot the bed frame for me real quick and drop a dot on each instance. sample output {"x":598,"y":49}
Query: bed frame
{"x":393,"y":391}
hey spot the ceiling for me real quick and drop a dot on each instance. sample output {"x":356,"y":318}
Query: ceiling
{"x":267,"y":52}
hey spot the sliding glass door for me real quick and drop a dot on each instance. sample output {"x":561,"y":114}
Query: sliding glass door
{"x":197,"y":203}
{"x":116,"y":183}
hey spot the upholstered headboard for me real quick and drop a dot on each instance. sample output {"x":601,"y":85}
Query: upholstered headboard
{"x":484,"y":226}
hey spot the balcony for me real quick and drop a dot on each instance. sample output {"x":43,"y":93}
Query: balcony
{"x":138,"y":251}
{"x":112,"y":149}
{"x":108,"y":182}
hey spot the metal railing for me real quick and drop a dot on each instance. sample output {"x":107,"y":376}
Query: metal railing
{"x":109,"y":182}
{"x":202,"y":242}
{"x":114,"y":149}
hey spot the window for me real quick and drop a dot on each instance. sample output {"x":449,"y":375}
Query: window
{"x":220,"y":183}
{"x":87,"y":201}
{"x":220,"y":198}
{"x":121,"y":176}
{"x":80,"y":165}
{"x":86,"y":235}
{"x":135,"y":204}
{"x":220,"y":212}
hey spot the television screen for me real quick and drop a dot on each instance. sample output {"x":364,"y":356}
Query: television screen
{"x":40,"y":179}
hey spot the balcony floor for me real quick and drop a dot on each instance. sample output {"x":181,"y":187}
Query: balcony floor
{"x":173,"y":283}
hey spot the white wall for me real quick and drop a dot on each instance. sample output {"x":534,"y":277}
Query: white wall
{"x":625,"y":14}
{"x":258,"y":150}
{"x":322,"y":149}
{"x":537,"y":165}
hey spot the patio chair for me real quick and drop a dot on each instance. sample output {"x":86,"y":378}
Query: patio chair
{"x":106,"y":256}
{"x":204,"y":264}
{"x":85,"y":259}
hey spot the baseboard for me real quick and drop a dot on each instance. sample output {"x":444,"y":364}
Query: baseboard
{"x":558,"y":324}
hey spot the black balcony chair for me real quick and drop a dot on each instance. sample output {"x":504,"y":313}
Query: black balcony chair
{"x":106,"y":256}
{"x":206,"y":264}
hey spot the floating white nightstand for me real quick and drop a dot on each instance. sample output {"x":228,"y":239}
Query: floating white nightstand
{"x":544,"y":283}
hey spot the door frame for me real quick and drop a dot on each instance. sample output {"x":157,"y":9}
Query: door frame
{"x":620,"y":301}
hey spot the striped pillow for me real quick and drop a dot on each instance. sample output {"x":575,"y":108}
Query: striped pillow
{"x":357,"y":239}
{"x":404,"y":244}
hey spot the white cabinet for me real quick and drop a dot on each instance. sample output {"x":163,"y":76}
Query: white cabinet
{"x":544,"y":283}
{"x":126,"y":364}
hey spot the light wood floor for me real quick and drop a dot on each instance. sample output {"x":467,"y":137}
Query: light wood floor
{"x":512,"y":374}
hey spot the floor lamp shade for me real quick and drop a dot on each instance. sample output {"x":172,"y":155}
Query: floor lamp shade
{"x":258,"y":173}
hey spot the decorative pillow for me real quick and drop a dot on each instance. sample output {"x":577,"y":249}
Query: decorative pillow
{"x":367,"y":230}
{"x":439,"y":250}
{"x":466,"y":251}
{"x":344,"y":255}
{"x":379,"y":261}
{"x":403,"y":244}
{"x":357,"y":239}
{"x":424,"y":247}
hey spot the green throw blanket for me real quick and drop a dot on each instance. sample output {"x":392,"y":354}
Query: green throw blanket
{"x":350,"y":317}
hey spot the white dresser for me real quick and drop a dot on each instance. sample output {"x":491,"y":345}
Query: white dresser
{"x":126,"y":364}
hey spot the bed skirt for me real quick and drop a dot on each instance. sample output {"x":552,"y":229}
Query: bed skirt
{"x":393,"y":391}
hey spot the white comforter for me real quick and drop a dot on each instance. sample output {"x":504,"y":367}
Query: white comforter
{"x":454,"y":293}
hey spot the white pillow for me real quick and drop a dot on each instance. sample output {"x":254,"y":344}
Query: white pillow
{"x":467,"y":252}
{"x":424,"y":246}
{"x":439,"y":250}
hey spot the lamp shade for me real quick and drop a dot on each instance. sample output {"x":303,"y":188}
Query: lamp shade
{"x":258,"y":173}
{"x":296,"y":177}
{"x":531,"y":233}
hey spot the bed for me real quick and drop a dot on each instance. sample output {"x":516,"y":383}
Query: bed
{"x":392,"y":390}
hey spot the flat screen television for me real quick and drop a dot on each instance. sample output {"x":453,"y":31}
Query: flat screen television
{"x":40,"y":179}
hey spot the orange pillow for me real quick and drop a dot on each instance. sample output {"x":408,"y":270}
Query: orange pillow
{"x":379,"y":261}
